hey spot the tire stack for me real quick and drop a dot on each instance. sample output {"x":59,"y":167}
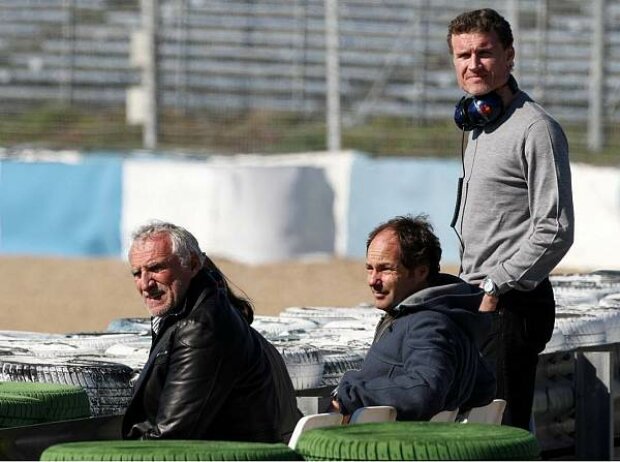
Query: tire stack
{"x":318,"y":344}
{"x":587,"y":314}
{"x":72,"y":359}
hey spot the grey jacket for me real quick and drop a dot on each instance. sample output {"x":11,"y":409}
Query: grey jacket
{"x":515,"y":218}
{"x":425,"y":358}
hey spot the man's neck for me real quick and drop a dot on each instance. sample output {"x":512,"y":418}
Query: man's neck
{"x":506,"y":93}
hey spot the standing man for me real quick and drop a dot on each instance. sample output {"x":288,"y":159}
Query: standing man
{"x":209,"y":374}
{"x":424,"y":358}
{"x":514,"y":211}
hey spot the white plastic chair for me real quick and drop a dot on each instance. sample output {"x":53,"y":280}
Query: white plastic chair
{"x":373,"y":414}
{"x":445,"y":416}
{"x":492,"y":413}
{"x":327,"y":419}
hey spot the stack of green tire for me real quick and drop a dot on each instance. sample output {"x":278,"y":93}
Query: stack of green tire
{"x":27,"y":403}
{"x":169,"y":450}
{"x":418,"y":441}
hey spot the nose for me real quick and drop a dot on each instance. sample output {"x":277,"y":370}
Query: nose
{"x":373,"y":278}
{"x":474,"y":61}
{"x":144,"y":281}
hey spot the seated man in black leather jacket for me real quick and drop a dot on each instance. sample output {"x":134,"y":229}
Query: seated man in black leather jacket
{"x":209,"y":374}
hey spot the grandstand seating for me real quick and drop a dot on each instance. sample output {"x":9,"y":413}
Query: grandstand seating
{"x":271,"y":54}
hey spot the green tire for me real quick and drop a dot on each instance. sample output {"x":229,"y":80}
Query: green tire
{"x":418,"y":441}
{"x":60,"y":402}
{"x":169,"y":450}
{"x":19,"y":410}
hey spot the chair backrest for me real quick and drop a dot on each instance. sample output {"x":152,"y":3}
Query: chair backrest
{"x":445,"y":416}
{"x":327,"y":419}
{"x":492,"y":413}
{"x":373,"y":414}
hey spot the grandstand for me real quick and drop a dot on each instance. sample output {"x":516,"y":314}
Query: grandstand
{"x":238,"y":56}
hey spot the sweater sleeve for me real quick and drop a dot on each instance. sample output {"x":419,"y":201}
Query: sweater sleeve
{"x":418,"y":386}
{"x":547,"y":171}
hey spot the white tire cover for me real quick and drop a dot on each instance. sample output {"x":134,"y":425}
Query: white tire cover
{"x":580,"y":329}
{"x":107,"y":384}
{"x":585,"y":288}
{"x":611,"y":320}
{"x":325,"y":314}
{"x":351,"y":324}
{"x":68,"y":345}
{"x":610,"y":301}
{"x":304,"y":364}
{"x":136,"y":325}
{"x":557,"y":341}
{"x":339,"y":360}
{"x":272,"y":327}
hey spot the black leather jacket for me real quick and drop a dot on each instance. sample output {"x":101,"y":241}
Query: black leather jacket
{"x":211,"y":376}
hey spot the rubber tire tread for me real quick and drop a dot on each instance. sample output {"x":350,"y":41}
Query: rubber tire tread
{"x":19,"y":410}
{"x":125,"y":450}
{"x":418,"y":441}
{"x":62,"y":402}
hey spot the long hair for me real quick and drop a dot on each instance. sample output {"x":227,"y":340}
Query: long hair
{"x":184,"y":246}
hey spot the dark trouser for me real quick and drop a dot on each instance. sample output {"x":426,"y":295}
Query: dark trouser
{"x":522,"y":325}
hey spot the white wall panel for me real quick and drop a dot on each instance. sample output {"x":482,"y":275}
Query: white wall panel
{"x":184,"y":192}
{"x":596,"y":196}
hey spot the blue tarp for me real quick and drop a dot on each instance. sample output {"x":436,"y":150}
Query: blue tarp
{"x":382,"y":188}
{"x":62,"y":209}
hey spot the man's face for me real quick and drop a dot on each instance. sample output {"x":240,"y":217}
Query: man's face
{"x":480,"y":61}
{"x":389,"y":281}
{"x":158,"y":274}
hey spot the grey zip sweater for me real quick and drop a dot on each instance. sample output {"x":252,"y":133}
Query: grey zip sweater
{"x":515,"y":218}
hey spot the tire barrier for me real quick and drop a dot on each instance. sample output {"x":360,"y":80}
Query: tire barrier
{"x":19,"y":410}
{"x":418,"y":441}
{"x":304,"y":364}
{"x":319,"y":344}
{"x":274,"y":328}
{"x":135,"y":325}
{"x":580,"y":329}
{"x":33,"y":403}
{"x":324,"y":314}
{"x":168,"y":450}
{"x":107,"y":384}
{"x":59,"y":402}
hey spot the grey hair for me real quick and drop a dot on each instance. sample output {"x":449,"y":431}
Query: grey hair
{"x":184,"y":244}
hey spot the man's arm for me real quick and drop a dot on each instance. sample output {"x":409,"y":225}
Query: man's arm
{"x":551,"y":231}
{"x":419,"y":389}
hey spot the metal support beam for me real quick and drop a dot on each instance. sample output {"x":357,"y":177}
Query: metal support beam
{"x":150,"y":20}
{"x":594,"y":403}
{"x":597,"y":82}
{"x":332,"y":77}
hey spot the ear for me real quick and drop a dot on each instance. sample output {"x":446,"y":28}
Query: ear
{"x":421,"y":272}
{"x":194,"y":264}
{"x":510,"y":57}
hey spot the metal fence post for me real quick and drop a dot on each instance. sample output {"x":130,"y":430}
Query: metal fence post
{"x":332,"y":75}
{"x":150,"y":19}
{"x":595,"y":103}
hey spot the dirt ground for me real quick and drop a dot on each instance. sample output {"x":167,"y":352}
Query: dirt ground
{"x":84,"y":295}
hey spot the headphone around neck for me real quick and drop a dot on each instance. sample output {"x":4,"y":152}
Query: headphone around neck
{"x":478,"y":111}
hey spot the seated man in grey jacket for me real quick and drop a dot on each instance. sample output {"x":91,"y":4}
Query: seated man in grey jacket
{"x":424,"y":358}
